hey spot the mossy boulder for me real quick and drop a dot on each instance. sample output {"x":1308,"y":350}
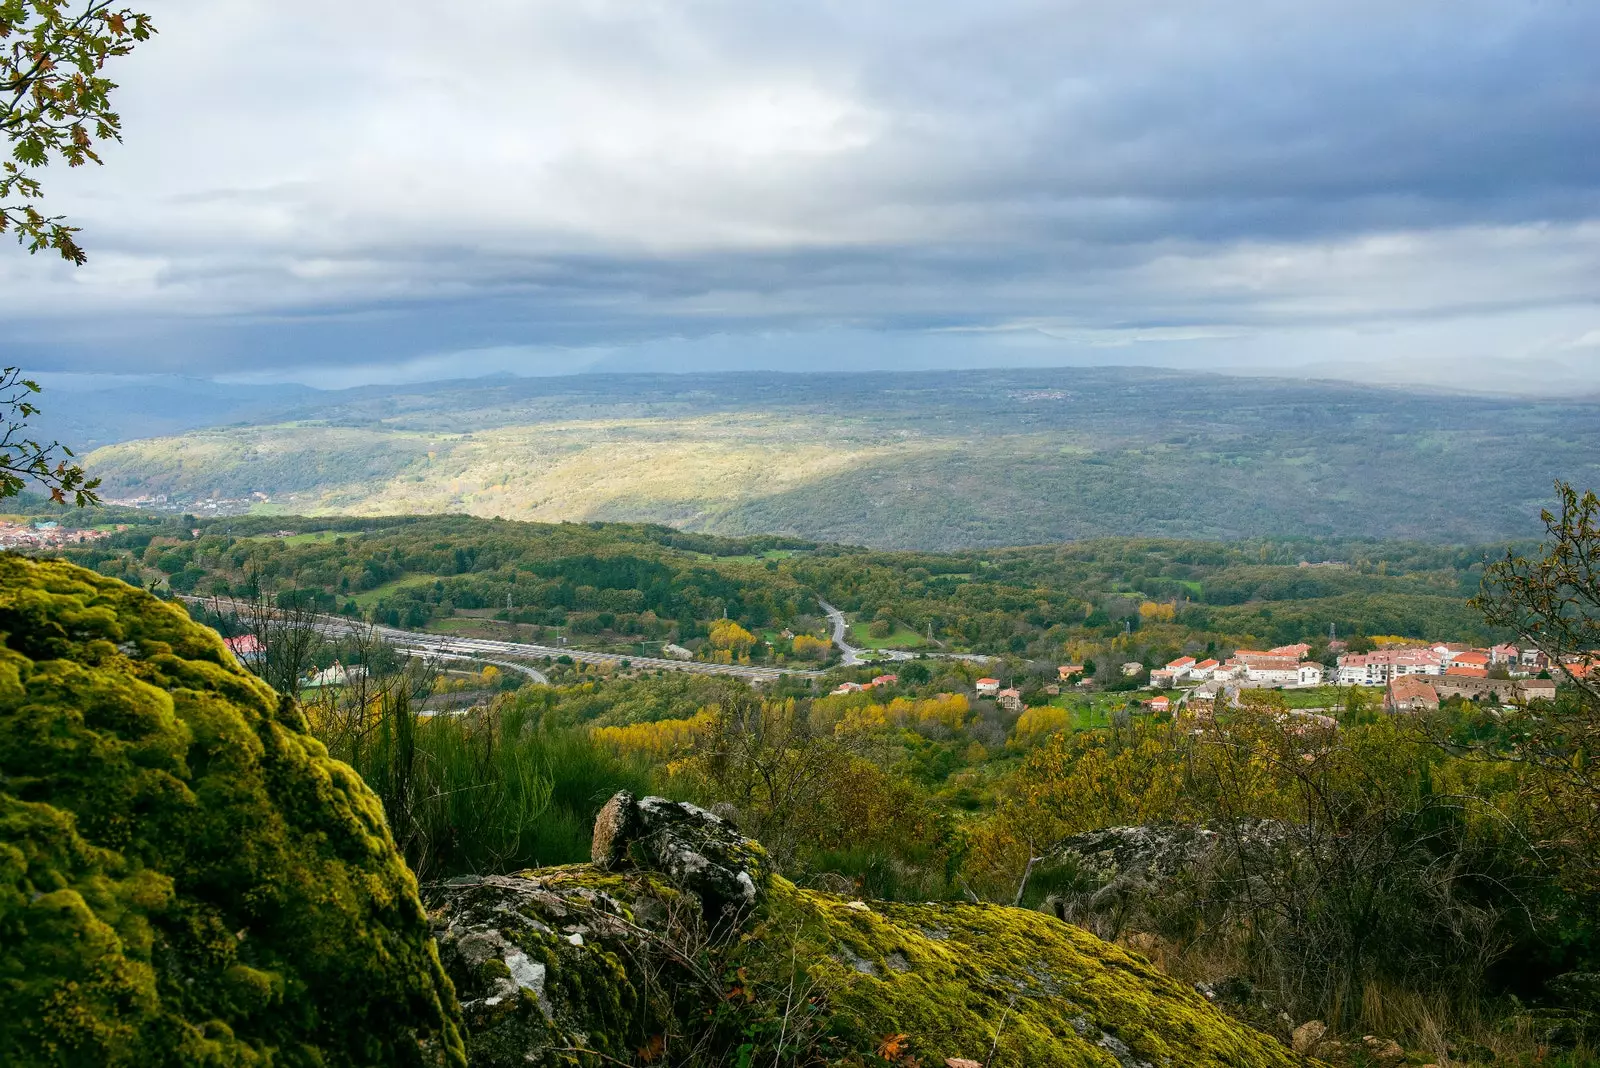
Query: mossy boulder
{"x":622,"y":962}
{"x":185,"y":876}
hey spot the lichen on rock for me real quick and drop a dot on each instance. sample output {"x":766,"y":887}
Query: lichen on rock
{"x":623,"y":956}
{"x":1159,"y":878}
{"x":1002,"y":985}
{"x":700,"y":850}
{"x":185,"y":875}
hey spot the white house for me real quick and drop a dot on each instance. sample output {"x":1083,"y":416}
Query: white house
{"x":1310,"y":673}
{"x":1376,"y":669}
{"x":1181,"y":667}
{"x":1266,"y":667}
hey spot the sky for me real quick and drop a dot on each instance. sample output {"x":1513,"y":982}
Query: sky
{"x":353,"y":192}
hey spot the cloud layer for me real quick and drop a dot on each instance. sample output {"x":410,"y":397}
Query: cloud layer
{"x":358,"y":189}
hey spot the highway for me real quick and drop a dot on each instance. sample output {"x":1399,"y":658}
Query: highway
{"x":481,"y":648}
{"x":500,"y":653}
{"x":486,"y":650}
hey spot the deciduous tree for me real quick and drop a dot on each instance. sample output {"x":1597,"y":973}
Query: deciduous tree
{"x":55,"y":106}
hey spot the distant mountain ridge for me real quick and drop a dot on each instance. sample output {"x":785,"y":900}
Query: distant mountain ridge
{"x":932,"y":460}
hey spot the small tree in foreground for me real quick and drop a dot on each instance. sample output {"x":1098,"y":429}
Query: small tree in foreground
{"x":24,"y":459}
{"x":55,"y":105}
{"x":1552,"y":602}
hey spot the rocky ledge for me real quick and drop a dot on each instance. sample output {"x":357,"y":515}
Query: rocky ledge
{"x":679,"y":945}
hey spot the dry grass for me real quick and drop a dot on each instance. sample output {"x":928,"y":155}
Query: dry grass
{"x":1445,"y":1033}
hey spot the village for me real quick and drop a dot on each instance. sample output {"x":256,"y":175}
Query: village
{"x":44,"y":534}
{"x":1413,"y":677}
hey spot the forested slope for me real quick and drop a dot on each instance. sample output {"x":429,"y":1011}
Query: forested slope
{"x":617,"y":585}
{"x":926,"y":460}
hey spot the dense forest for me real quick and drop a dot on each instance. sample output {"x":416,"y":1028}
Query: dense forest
{"x":617,"y":585}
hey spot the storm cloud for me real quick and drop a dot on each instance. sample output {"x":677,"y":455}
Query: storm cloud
{"x":354,"y":191}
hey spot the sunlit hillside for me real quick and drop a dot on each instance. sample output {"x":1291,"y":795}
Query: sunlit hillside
{"x":923,"y":461}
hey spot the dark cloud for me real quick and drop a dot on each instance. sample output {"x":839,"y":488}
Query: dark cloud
{"x":898,"y":183}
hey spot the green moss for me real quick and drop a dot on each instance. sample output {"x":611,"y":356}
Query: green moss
{"x":185,"y":876}
{"x":964,"y":980}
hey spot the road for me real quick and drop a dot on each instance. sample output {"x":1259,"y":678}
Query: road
{"x":510,"y":665}
{"x":480,"y":648}
{"x":849,"y":655}
{"x":485,"y":650}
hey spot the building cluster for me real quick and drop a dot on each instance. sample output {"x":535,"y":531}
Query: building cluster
{"x":46,"y":534}
{"x":1443,"y":658}
{"x":1416,"y":679}
{"x":1285,"y":665}
{"x":862,"y":687}
{"x":1009,"y":698}
{"x":213,"y":505}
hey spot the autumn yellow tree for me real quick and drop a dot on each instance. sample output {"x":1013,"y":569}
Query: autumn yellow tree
{"x":807,"y":647}
{"x":730,"y":640}
{"x":1074,"y":783}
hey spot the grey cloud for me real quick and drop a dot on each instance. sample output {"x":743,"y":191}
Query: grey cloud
{"x":315,"y":185}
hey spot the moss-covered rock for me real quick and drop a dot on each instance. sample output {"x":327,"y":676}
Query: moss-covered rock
{"x":185,"y":876}
{"x":993,"y":984}
{"x":619,"y":962}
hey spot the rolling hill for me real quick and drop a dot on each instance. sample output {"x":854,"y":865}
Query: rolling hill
{"x":925,"y":460}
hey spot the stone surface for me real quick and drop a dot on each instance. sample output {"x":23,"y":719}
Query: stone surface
{"x":185,"y":876}
{"x":1151,"y":878}
{"x":703,"y":852}
{"x":622,"y":957}
{"x":1579,"y":990}
{"x":1383,"y":1050}
{"x":556,"y":961}
{"x":1308,"y":1036}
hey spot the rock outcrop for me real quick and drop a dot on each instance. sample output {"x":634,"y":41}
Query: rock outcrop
{"x":700,"y":851}
{"x":185,"y":876}
{"x":1154,"y":878}
{"x":631,"y":958}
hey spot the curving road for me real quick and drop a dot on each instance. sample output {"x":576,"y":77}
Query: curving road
{"x":510,"y":665}
{"x":849,"y":655}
